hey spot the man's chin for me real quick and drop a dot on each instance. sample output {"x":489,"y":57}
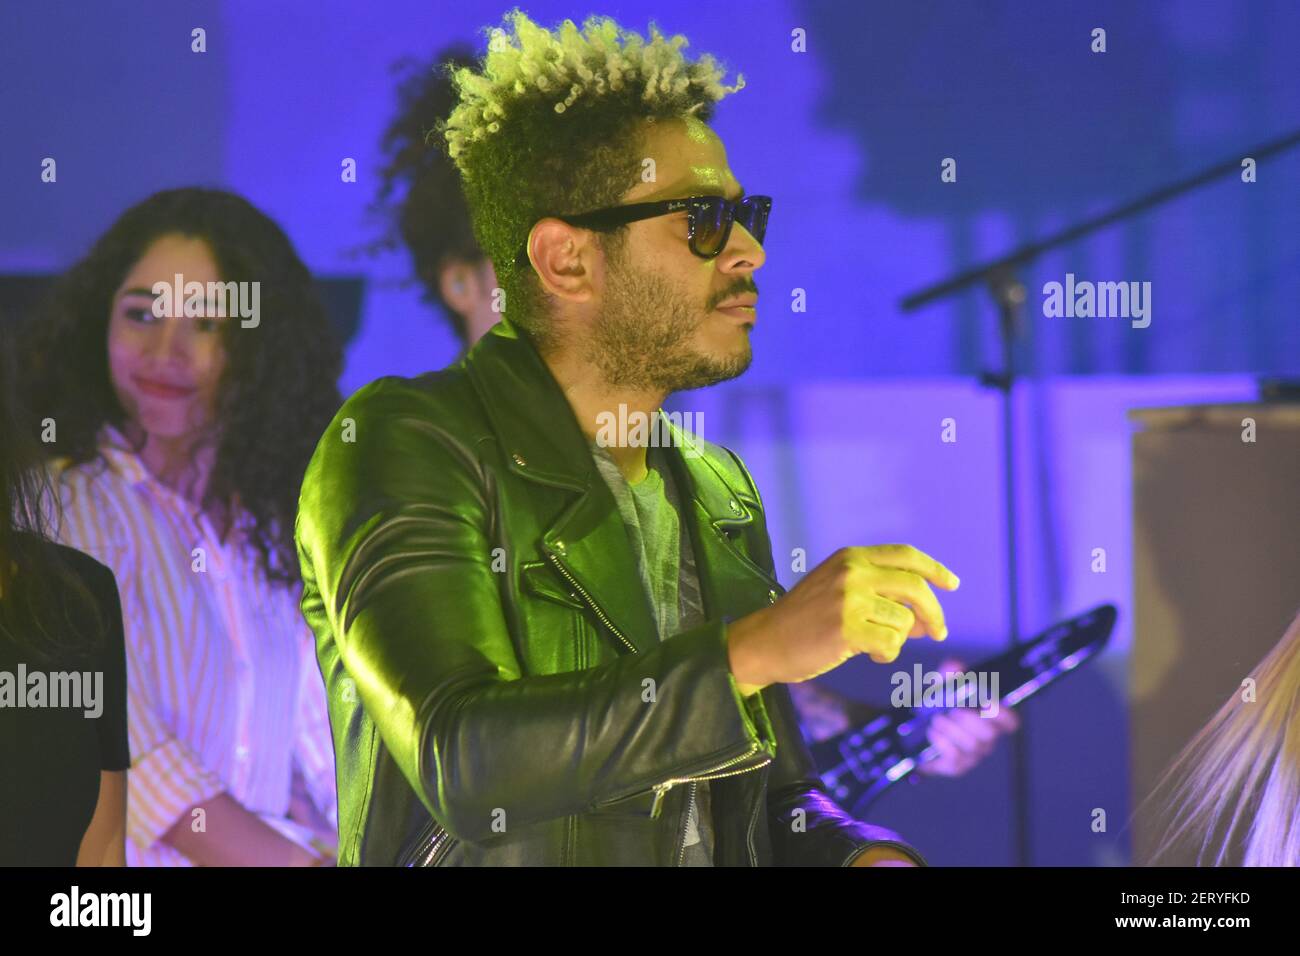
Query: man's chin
{"x":713,"y":369}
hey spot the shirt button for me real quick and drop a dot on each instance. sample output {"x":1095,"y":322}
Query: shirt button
{"x":771,"y":597}
{"x":735,"y":507}
{"x":241,"y":752}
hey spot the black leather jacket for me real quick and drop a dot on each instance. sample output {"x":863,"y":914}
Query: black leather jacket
{"x":488,"y":649}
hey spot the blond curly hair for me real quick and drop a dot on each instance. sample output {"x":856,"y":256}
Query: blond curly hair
{"x":551,"y":123}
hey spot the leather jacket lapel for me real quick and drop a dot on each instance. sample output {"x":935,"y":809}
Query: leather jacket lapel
{"x":587,"y":543}
{"x":590,"y":545}
{"x":721,"y":516}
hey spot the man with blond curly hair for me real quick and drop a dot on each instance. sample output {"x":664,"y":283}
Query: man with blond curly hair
{"x":545,"y":644}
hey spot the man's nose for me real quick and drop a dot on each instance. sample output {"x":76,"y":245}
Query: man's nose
{"x":743,"y":251}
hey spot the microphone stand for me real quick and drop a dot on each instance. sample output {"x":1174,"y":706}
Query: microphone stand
{"x":1009,"y":294}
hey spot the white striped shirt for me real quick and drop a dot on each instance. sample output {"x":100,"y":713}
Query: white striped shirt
{"x":224,"y":692}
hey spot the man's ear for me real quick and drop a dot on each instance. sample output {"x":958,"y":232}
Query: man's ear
{"x":563,"y":257}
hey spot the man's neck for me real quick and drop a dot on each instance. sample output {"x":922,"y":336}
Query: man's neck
{"x":595,"y":403}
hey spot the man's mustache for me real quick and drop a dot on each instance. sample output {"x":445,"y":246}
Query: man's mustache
{"x":726,"y":294}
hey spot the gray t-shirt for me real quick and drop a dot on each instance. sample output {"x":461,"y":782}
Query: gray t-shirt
{"x":651,"y":513}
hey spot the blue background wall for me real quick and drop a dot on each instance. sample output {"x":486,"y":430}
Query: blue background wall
{"x":840,"y":414}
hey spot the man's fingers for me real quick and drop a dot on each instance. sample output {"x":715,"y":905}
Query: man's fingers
{"x":881,"y":643}
{"x":942,"y":743}
{"x":881,"y":610}
{"x":961,"y":738}
{"x":980,"y":729}
{"x":949,"y":759}
{"x":910,"y":589}
{"x":904,"y":557}
{"x":1006,"y":720}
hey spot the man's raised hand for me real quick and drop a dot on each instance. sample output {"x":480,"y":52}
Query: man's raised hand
{"x":860,"y":600}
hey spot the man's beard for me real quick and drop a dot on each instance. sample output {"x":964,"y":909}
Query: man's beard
{"x":643,"y":337}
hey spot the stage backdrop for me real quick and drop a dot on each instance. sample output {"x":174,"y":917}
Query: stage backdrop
{"x":840,"y":416}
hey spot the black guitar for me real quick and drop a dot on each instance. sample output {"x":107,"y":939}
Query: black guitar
{"x":858,"y":765}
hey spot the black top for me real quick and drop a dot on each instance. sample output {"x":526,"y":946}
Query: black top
{"x":51,"y":755}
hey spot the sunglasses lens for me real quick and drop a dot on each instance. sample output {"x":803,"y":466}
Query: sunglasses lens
{"x":710,"y":227}
{"x":752,"y":214}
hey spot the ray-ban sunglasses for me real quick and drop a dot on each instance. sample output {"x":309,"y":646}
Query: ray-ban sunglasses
{"x":708,"y":219}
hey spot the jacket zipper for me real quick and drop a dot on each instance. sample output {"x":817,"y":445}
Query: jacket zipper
{"x":690,"y":808}
{"x":430,"y":848}
{"x":590,"y":603}
{"x":661,"y":789}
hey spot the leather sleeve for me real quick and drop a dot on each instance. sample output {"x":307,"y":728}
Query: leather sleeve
{"x":807,"y":827}
{"x":397,"y":528}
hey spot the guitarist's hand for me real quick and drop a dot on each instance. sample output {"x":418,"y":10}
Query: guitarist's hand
{"x":962,"y":737}
{"x":858,"y":601}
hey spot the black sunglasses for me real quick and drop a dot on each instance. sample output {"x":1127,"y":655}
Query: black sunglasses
{"x":708,"y":219}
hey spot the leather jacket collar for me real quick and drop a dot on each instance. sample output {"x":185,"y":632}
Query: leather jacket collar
{"x":542,"y":442}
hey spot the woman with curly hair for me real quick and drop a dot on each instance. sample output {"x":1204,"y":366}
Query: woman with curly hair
{"x":179,"y":427}
{"x":422,"y":206}
{"x":63,"y":784}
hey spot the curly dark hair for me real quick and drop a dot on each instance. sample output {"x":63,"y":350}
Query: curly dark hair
{"x":552,"y":123}
{"x":430,"y":218}
{"x":277,"y":393}
{"x":42,"y":595}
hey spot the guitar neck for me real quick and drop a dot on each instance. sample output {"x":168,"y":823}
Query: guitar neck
{"x":860,"y":763}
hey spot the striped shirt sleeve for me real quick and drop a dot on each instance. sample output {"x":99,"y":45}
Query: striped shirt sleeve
{"x":166,"y":778}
